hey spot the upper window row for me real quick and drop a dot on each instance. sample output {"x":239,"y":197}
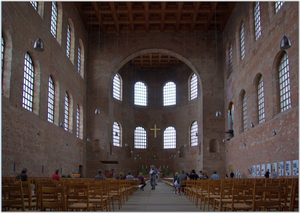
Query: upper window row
{"x":70,"y":38}
{"x":140,"y":91}
{"x":257,"y":32}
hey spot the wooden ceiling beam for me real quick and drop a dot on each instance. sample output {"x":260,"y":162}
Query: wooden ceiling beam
{"x":114,"y":15}
{"x":146,"y":5}
{"x":129,"y":7}
{"x":195,"y":16}
{"x":179,"y":13}
{"x":163,"y":16}
{"x":98,"y":15}
{"x":211,"y":15}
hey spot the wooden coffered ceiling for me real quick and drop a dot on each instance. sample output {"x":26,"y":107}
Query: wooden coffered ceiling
{"x":140,"y":17}
{"x":155,"y":61}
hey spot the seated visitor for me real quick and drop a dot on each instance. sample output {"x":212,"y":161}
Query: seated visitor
{"x":121,"y":176}
{"x":140,"y":177}
{"x":23,"y":175}
{"x":215,"y":176}
{"x":129,"y":176}
{"x":193,"y":175}
{"x":181,"y":177}
{"x":55,"y":175}
{"x":100,"y":176}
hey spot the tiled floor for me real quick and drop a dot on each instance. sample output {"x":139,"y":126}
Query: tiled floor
{"x":162,"y":199}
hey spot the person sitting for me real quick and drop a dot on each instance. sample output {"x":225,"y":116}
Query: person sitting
{"x":205,"y":176}
{"x":200,"y":174}
{"x":129,"y":176}
{"x":23,"y":175}
{"x":121,"y":176}
{"x":181,"y":177}
{"x":100,"y":176}
{"x":193,"y":175}
{"x":215,"y":176}
{"x":55,"y":175}
{"x":140,"y":177}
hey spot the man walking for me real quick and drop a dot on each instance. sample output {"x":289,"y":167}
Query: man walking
{"x":153,"y":172}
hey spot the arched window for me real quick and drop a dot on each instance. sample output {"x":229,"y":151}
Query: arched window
{"x":78,"y":59}
{"x":231,"y":119}
{"x":51,"y":93}
{"x":140,"y":94}
{"x":284,"y":83}
{"x":170,"y":138}
{"x":68,"y":40}
{"x":245,"y":117}
{"x":242,"y":40}
{"x":194,"y":87}
{"x":34,"y":4}
{"x":53,"y":28}
{"x":230,"y":62}
{"x":2,"y":60}
{"x":140,"y":138}
{"x":169,"y":94}
{"x":278,"y":5}
{"x":116,"y":134}
{"x":66,"y":114}
{"x":257,"y":20}
{"x":194,"y":134}
{"x":117,"y":87}
{"x":28,"y":83}
{"x":77,"y":121}
{"x":261,"y":100}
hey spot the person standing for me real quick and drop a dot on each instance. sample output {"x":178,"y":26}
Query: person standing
{"x":55,"y":175}
{"x":140,"y":177}
{"x":100,"y":176}
{"x":231,"y":174}
{"x":23,"y":175}
{"x":153,"y":172}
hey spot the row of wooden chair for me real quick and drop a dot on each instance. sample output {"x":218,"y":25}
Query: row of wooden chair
{"x":243,"y":194}
{"x":88,"y":194}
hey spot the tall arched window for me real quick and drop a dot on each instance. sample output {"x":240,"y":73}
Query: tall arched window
{"x":28,"y":83}
{"x":68,"y":47}
{"x":278,"y":5}
{"x":2,"y":60}
{"x":140,"y":94}
{"x":34,"y":4}
{"x":230,"y":62}
{"x":77,"y":121}
{"x":116,"y":134}
{"x":51,"y":93}
{"x":78,"y":59}
{"x":66,"y":114}
{"x":169,"y":94}
{"x":117,"y":87}
{"x":231,"y":119}
{"x":170,"y":138}
{"x":194,"y":134}
{"x":257,"y":20}
{"x":261,"y":101}
{"x":284,"y":83}
{"x":53,"y":28}
{"x":242,"y":40}
{"x":194,"y":87}
{"x":245,"y":113}
{"x":140,"y":138}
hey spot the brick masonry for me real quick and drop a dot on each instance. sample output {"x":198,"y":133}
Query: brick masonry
{"x":217,"y":88}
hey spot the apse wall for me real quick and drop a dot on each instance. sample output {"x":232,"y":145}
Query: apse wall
{"x":198,"y":53}
{"x":253,"y":148}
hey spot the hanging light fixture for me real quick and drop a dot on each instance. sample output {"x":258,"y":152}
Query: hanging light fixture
{"x":285,"y":42}
{"x":39,"y":45}
{"x":97,"y":111}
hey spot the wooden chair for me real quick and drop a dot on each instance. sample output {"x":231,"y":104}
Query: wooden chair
{"x":241,"y":198}
{"x":225,"y":195}
{"x":97,"y":198}
{"x":9,"y":200}
{"x":213,"y":192}
{"x":293,"y":196}
{"x":78,"y":197}
{"x":53,"y":198}
{"x":115,"y":192}
{"x":263,"y":198}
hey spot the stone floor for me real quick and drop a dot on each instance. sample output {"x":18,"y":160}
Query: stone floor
{"x":162,"y":199}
